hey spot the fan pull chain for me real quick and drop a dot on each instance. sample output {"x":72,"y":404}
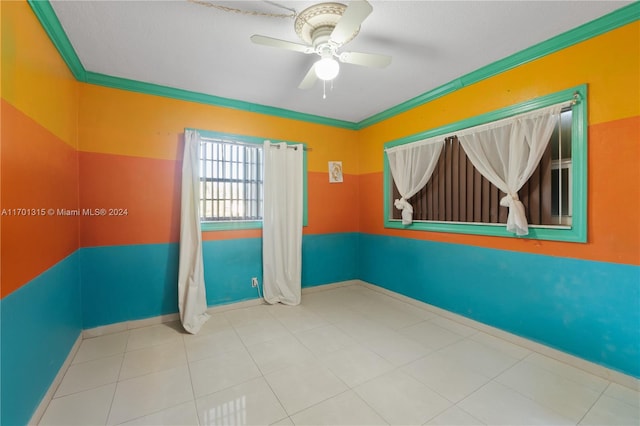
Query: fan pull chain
{"x":324,"y":88}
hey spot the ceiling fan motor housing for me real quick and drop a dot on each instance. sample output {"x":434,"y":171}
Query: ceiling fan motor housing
{"x":321,"y":36}
{"x":315,"y":24}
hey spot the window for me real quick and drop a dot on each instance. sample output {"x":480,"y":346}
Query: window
{"x":459,"y":199}
{"x":231,"y":181}
{"x":457,"y":192}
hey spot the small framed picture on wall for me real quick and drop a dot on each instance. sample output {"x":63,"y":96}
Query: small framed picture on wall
{"x":335,"y":171}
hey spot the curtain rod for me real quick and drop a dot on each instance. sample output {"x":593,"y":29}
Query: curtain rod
{"x":501,"y":122}
{"x":250,"y":144}
{"x":291,"y":146}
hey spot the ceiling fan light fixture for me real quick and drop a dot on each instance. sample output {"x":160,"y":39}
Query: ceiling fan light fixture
{"x":327,"y":68}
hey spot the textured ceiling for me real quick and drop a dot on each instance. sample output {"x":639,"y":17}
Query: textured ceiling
{"x":184,"y":45}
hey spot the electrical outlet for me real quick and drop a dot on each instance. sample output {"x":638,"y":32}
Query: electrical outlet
{"x":254,"y":282}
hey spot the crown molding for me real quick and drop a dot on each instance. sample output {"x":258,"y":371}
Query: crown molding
{"x":49,"y":21}
{"x":606,"y":23}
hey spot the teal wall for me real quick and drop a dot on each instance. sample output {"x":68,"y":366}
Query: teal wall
{"x":123,"y":283}
{"x":98,"y":286}
{"x":40,"y":323}
{"x":585,"y":308}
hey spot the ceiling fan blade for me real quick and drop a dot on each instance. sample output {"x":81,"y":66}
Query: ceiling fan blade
{"x":309,"y":80}
{"x":282,"y":44}
{"x":356,"y":12}
{"x":365,"y":59}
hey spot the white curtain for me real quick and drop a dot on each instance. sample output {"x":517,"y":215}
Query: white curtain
{"x":282,"y":223}
{"x":507,"y":152}
{"x":411,"y":167}
{"x":192,"y":298}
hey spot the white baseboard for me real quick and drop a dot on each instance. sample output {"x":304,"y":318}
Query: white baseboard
{"x":129,"y":325}
{"x":37,"y":415}
{"x":574,"y":361}
{"x":325,"y":287}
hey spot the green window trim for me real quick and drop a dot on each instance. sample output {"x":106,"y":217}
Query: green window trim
{"x":235,"y":225}
{"x":578,"y":230}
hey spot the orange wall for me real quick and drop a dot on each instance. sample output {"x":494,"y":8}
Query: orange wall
{"x":610,"y":65}
{"x":39,"y":164}
{"x":35,"y":79}
{"x":118,"y":122}
{"x":73,"y":145}
{"x":130,"y":157}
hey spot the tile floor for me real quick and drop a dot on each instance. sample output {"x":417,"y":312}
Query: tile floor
{"x":348,"y":355}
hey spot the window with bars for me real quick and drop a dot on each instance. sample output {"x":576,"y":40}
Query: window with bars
{"x":459,"y":199}
{"x":231,"y":180}
{"x":457,"y":192}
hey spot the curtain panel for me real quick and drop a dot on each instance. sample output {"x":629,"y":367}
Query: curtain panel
{"x":192,"y":298}
{"x":507,"y":152}
{"x":282,"y":223}
{"x":411,"y":167}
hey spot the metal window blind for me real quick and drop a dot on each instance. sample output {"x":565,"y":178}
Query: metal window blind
{"x":231,"y":183}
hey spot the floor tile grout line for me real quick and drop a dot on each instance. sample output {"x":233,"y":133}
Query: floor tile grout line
{"x":519,"y":392}
{"x":321,"y":364}
{"x":457,"y":404}
{"x":260,"y":370}
{"x":431,"y":388}
{"x":320,"y":402}
{"x":435,"y":310}
{"x":466,"y":412}
{"x":489,"y":378}
{"x":369,"y":405}
{"x":124,"y":355}
{"x":622,"y":401}
{"x":263,"y":376}
{"x":156,"y":412}
{"x":115,"y":388}
{"x":74,"y":363}
{"x":453,"y":404}
{"x":399,"y":370}
{"x":395,"y":368}
{"x":594,"y":404}
{"x":599,"y":392}
{"x":94,"y":387}
{"x":121,"y":380}
{"x":565,"y":365}
{"x":193,"y":391}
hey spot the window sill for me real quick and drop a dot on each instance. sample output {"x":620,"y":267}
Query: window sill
{"x":235,"y":225}
{"x":231,"y":225}
{"x":551,"y":233}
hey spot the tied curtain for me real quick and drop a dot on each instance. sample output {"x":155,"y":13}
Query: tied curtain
{"x":282,"y":223}
{"x":507,"y":152}
{"x":192,"y":298}
{"x":411,"y":167}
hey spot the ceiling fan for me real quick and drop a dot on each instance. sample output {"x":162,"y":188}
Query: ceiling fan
{"x":324,"y":29}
